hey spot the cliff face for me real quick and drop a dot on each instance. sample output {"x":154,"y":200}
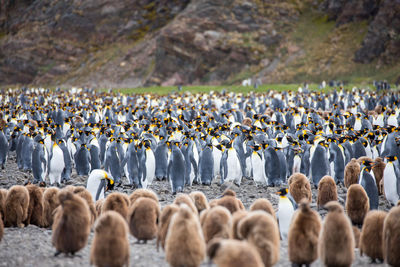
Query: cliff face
{"x":134,"y":43}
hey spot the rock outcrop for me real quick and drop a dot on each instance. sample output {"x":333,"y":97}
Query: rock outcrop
{"x":105,"y":43}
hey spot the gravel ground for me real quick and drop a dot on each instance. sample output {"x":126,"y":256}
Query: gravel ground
{"x":31,"y":246}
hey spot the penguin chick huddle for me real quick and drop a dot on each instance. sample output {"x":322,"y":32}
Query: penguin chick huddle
{"x":192,"y":229}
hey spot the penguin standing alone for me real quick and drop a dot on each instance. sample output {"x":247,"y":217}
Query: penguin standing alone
{"x":56,"y":164}
{"x":176,"y":169}
{"x":286,"y":208}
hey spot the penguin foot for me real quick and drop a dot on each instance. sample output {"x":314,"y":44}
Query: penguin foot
{"x":42,"y":184}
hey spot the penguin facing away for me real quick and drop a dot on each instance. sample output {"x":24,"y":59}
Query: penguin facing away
{"x":367,"y":180}
{"x":176,"y":167}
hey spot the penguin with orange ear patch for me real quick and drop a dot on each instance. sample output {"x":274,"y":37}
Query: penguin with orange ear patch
{"x":286,"y":208}
{"x":16,"y":206}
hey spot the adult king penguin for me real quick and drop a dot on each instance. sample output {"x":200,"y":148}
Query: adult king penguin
{"x":367,"y":181}
{"x":391,"y":180}
{"x":286,"y":208}
{"x":98,"y":183}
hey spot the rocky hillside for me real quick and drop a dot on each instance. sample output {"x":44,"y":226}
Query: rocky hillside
{"x":106,"y":43}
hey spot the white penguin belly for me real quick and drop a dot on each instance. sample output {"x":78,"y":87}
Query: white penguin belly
{"x":258,"y":170}
{"x":56,"y":166}
{"x":390,"y":184}
{"x":217,"y":161}
{"x":296,"y":164}
{"x":285,"y":213}
{"x":249,"y":167}
{"x":332,"y":167}
{"x":233,"y":166}
{"x":93,"y":183}
{"x":150,"y":167}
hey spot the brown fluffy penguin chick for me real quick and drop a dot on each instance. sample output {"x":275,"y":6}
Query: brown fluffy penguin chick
{"x":163,"y":223}
{"x":200,"y":200}
{"x":372,"y":235}
{"x":357,"y":204}
{"x":3,"y":196}
{"x":184,"y":198}
{"x":233,"y":253}
{"x":110,"y":246}
{"x":263,"y":204}
{"x":118,"y":202}
{"x":228,"y":201}
{"x":98,"y":206}
{"x":142,"y":193}
{"x":184,"y":243}
{"x":391,"y":237}
{"x":357,"y":234}
{"x":216,"y":222}
{"x":299,"y":187}
{"x":236,"y":218}
{"x":261,"y":230}
{"x":327,"y":191}
{"x":71,"y":225}
{"x":35,"y":208}
{"x":50,"y":203}
{"x":143,"y":219}
{"x":336,"y":241}
{"x":378,"y":169}
{"x":351,"y":173}
{"x":87,"y":196}
{"x":303,"y":235}
{"x":16,"y":206}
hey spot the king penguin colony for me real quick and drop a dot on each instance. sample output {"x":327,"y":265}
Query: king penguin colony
{"x":116,"y":141}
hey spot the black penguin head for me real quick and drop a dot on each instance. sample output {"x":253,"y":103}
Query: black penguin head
{"x":391,"y":158}
{"x":282,"y":192}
